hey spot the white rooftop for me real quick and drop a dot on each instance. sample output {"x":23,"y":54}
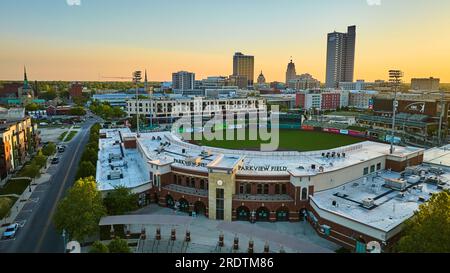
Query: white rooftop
{"x":127,"y":162}
{"x":390,"y":208}
{"x":176,"y":151}
{"x":438,"y":156}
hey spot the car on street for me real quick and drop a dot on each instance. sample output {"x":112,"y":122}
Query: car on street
{"x":55,"y":160}
{"x":62,"y":149}
{"x":10,"y":231}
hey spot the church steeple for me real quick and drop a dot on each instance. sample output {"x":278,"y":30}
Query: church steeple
{"x":25,"y":78}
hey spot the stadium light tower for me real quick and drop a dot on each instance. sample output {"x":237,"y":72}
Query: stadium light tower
{"x":395,"y":78}
{"x":137,"y":77}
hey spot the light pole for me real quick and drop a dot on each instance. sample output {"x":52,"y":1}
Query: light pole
{"x":137,"y":77}
{"x":395,"y":78}
{"x":64,"y":239}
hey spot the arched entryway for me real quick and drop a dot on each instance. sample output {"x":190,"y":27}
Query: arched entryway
{"x":170,"y":203}
{"x":282,"y":214}
{"x":262,"y":214}
{"x":184,"y":205}
{"x":243,"y":213}
{"x":200,"y":208}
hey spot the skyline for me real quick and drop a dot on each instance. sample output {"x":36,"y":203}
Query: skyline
{"x":148,"y":36}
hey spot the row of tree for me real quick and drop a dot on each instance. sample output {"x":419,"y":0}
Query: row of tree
{"x":33,"y":168}
{"x":106,"y":111}
{"x":80,"y":211}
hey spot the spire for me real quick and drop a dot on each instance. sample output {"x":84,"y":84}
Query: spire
{"x":146,"y":75}
{"x":25,"y":78}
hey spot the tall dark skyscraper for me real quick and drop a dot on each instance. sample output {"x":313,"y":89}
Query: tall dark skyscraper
{"x":341,"y":57}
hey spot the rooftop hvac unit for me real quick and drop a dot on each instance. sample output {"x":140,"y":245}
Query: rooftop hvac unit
{"x":413,"y":179}
{"x":396,"y":184}
{"x":368,"y":203}
{"x":114,"y":157}
{"x":115,"y":174}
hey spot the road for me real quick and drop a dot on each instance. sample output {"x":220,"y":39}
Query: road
{"x":38,"y":234}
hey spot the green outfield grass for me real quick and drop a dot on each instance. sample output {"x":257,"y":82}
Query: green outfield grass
{"x":290,"y":140}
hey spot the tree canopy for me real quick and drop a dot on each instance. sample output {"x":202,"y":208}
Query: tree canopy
{"x":120,"y":201}
{"x":98,"y":247}
{"x":118,"y":246}
{"x":81,"y":210}
{"x":428,"y":230}
{"x":86,"y":169}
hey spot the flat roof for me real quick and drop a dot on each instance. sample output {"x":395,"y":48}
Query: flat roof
{"x":390,"y":208}
{"x":438,"y":156}
{"x":130,"y":164}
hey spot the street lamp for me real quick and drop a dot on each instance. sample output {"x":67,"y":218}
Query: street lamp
{"x":395,"y":78}
{"x":64,"y":239}
{"x":137,"y":77}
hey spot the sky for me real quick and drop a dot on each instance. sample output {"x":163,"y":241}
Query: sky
{"x":90,"y":40}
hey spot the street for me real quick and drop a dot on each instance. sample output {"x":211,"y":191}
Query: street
{"x":38,"y":234}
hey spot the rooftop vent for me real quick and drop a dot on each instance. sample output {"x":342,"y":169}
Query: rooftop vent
{"x":115,"y":174}
{"x":368,"y":203}
{"x":396,"y":184}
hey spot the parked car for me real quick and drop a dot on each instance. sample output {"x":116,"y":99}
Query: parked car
{"x":10,"y":231}
{"x":55,"y":160}
{"x":62,"y":149}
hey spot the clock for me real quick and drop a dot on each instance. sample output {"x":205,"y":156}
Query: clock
{"x":219,"y":182}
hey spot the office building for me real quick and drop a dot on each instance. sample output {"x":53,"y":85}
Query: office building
{"x":427,"y":84}
{"x":303,"y":82}
{"x":183,"y":80}
{"x":244,"y":66}
{"x":340,"y":57}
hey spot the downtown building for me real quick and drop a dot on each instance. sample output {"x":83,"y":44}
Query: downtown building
{"x":340,"y":57}
{"x":322,"y":100}
{"x":243,"y":68}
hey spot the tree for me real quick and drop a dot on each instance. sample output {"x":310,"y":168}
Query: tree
{"x":120,"y":201}
{"x":77,"y":111}
{"x":86,"y":169}
{"x":31,"y":170}
{"x":428,"y":230}
{"x":118,"y":246}
{"x":40,"y":160}
{"x":142,"y":121}
{"x":98,"y":247}
{"x":90,"y":155}
{"x":33,"y":107}
{"x":81,"y":210}
{"x":49,"y":149}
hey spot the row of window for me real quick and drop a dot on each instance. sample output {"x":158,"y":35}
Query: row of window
{"x":372,"y":169}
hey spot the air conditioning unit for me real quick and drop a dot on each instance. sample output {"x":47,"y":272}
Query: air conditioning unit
{"x":114,"y":157}
{"x":413,"y":179}
{"x":115,"y":174}
{"x":368,"y":203}
{"x":396,"y":184}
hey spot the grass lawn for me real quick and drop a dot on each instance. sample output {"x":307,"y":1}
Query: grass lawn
{"x":15,"y":187}
{"x":62,"y":136}
{"x":71,"y":135}
{"x":290,"y":140}
{"x":5,"y":205}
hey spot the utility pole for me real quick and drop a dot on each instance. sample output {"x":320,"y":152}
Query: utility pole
{"x":137,"y":77}
{"x":395,"y":78}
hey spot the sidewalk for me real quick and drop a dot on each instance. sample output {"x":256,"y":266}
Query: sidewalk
{"x":22,"y":200}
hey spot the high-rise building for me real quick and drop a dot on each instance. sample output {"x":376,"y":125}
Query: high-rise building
{"x":341,"y":57}
{"x":244,"y":65}
{"x":291,"y":74}
{"x":183,"y":80}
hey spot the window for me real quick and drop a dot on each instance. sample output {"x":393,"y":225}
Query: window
{"x":220,"y":204}
{"x":202,"y":184}
{"x":304,"y":193}
{"x":277,"y":189}
{"x":266,"y":188}
{"x":378,"y":166}
{"x":192,"y":182}
{"x":259,"y":189}
{"x":372,"y":168}
{"x":366,"y":171}
{"x":283,"y":189}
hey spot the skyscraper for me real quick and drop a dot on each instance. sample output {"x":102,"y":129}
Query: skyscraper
{"x":183,"y":80}
{"x":341,"y":57}
{"x":291,"y":74}
{"x":244,"y":65}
